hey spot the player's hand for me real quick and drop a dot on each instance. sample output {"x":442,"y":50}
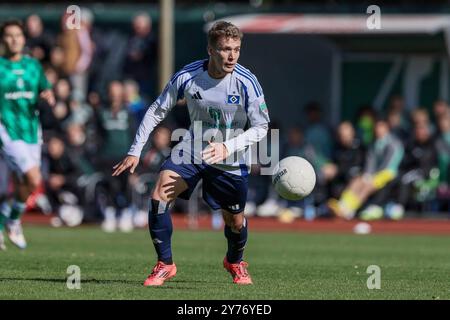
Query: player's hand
{"x":48,"y":96}
{"x":214,"y":153}
{"x":129,"y":162}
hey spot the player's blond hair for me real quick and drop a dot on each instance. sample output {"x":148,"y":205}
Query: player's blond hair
{"x":223,"y":29}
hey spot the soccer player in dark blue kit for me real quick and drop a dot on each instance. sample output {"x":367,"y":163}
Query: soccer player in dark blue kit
{"x":223,"y":99}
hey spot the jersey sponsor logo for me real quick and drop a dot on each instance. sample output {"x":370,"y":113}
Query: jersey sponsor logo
{"x":18,"y":72}
{"x":263,"y":107}
{"x":19,"y":95}
{"x":228,"y":125}
{"x":197,"y":96}
{"x":215,"y":114}
{"x":233,"y":99}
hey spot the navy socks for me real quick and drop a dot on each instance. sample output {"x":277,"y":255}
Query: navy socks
{"x":160,"y":227}
{"x":236,"y":243}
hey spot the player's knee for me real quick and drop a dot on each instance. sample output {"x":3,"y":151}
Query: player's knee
{"x":235,"y":221}
{"x":168,"y":186}
{"x":237,"y":226}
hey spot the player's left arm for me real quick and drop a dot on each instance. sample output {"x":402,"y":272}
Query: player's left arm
{"x":258,"y":116}
{"x":45,"y":88}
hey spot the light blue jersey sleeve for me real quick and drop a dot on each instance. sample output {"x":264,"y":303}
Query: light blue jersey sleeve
{"x":159,"y":109}
{"x":157,"y":112}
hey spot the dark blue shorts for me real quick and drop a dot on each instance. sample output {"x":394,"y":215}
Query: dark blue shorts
{"x":221,"y":190}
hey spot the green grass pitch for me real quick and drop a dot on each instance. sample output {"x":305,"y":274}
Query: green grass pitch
{"x":283,"y":266}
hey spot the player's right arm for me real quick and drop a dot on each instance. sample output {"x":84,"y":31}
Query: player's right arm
{"x":154,"y":115}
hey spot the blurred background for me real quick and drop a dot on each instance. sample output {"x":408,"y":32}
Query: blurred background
{"x":327,"y":79}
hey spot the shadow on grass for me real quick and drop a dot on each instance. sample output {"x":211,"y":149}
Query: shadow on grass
{"x":63,"y":280}
{"x":110,"y":281}
{"x":189,"y":281}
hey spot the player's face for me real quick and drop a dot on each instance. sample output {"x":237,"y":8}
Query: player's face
{"x":14,"y":39}
{"x":225,"y":54}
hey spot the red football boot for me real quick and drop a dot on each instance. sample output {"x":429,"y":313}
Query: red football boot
{"x":161,"y":272}
{"x":238,"y":271}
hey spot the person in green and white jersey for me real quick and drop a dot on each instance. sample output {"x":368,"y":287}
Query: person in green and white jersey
{"x":22,"y":84}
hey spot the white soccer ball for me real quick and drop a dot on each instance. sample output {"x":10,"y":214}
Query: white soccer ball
{"x":294,"y":178}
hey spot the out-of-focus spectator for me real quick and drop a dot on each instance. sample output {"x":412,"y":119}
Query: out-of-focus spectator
{"x":440,"y":109}
{"x":420,"y":116}
{"x":39,"y":42}
{"x":159,"y":151}
{"x":115,"y":127}
{"x":141,"y":55}
{"x":79,"y":148}
{"x":324,"y":168}
{"x":62,"y":90}
{"x":262,"y":198}
{"x":75,"y":134}
{"x":419,"y":175}
{"x":381,"y":168}
{"x":317,"y":133}
{"x":443,"y":147}
{"x":135,"y":104}
{"x":298,"y":146}
{"x":258,"y":190}
{"x":94,"y":100}
{"x":57,"y":60}
{"x":80,"y":112}
{"x":52,"y":75}
{"x":62,"y":106}
{"x":78,"y":51}
{"x":61,"y":183}
{"x":55,"y":119}
{"x":394,"y":119}
{"x":348,"y":156}
{"x":365,"y":124}
{"x":397,"y":106}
